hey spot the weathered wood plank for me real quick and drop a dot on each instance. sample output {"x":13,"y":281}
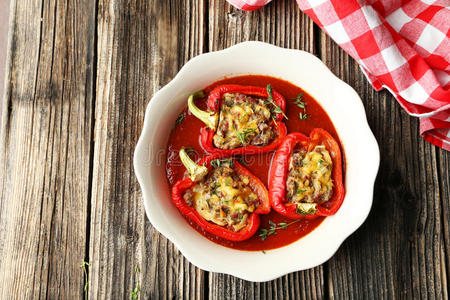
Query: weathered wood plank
{"x":4,"y":16}
{"x":45,"y":148}
{"x":283,"y":24}
{"x":141,"y":46}
{"x":298,"y":285}
{"x":443,"y":161}
{"x":280,"y":23}
{"x":400,"y":250}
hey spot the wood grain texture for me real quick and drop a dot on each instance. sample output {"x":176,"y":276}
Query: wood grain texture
{"x":45,"y":150}
{"x":80,"y":75}
{"x":280,"y":23}
{"x":443,"y":162}
{"x":141,"y":46}
{"x":400,"y":251}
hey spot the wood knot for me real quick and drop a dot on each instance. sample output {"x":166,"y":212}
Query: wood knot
{"x":235,"y":14}
{"x":131,"y":238}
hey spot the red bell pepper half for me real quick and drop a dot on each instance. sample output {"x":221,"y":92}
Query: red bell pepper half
{"x":211,"y":117}
{"x":196,"y":173}
{"x":279,"y":171}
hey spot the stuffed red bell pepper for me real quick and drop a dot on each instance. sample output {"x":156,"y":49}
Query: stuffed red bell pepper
{"x":221,"y":196}
{"x":241,"y":119}
{"x":305,"y":179}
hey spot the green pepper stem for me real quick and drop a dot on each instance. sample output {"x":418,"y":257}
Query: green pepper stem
{"x":196,"y":172}
{"x":210,"y":119}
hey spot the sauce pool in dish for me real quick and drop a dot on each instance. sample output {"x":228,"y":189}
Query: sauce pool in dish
{"x":186,"y":132}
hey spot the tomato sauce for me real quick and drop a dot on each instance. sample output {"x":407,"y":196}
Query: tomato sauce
{"x":186,"y":133}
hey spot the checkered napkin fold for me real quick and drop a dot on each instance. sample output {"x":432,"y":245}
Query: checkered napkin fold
{"x":403,"y":46}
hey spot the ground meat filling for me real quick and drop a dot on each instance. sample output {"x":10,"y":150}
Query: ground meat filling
{"x":243,"y":121}
{"x":309,"y":179}
{"x":223,"y":197}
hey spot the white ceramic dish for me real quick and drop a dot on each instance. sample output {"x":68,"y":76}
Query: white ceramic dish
{"x":346,"y":111}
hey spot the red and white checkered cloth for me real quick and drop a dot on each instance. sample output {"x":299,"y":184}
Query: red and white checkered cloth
{"x":400,"y":45}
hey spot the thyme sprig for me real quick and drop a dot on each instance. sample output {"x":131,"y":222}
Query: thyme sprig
{"x":218,"y":162}
{"x":214,"y":188}
{"x":302,"y":116}
{"x":274,"y":120}
{"x":134,"y":293}
{"x":276,"y":109}
{"x":300,"y":103}
{"x":298,"y":192}
{"x":179,"y":120}
{"x":245,"y":134}
{"x":84,"y":266}
{"x":264,"y":233}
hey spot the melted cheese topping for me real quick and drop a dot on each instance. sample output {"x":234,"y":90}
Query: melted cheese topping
{"x":223,"y":200}
{"x":309,"y":178}
{"x":243,"y":121}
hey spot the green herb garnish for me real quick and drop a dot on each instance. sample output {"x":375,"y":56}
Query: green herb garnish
{"x":218,"y":162}
{"x":214,"y":187}
{"x":264,"y":252}
{"x":246,"y":133}
{"x":137,"y":289}
{"x":276,"y":108}
{"x":283,"y":225}
{"x":275,"y":121}
{"x":179,"y":120}
{"x":299,"y":102}
{"x":264,"y":233}
{"x":134,"y":293}
{"x":298,"y":192}
{"x":84,"y":266}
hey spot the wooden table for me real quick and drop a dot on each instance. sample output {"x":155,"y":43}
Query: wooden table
{"x":79,"y":77}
